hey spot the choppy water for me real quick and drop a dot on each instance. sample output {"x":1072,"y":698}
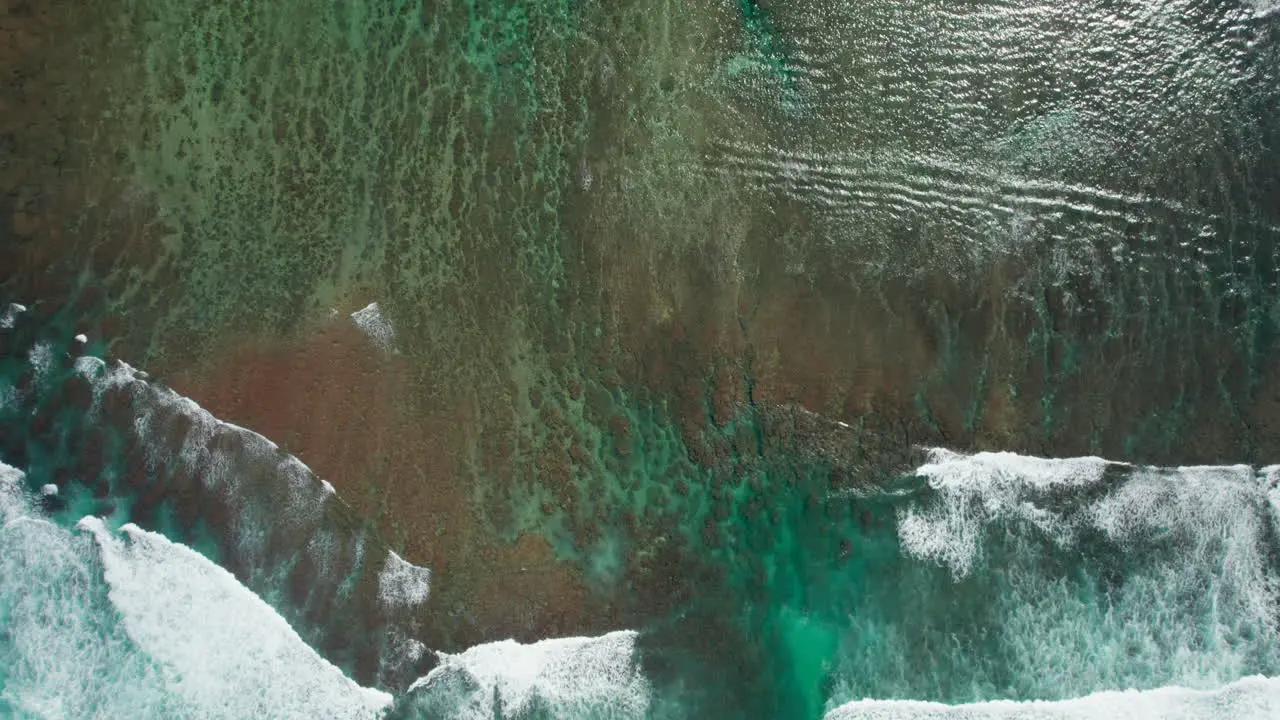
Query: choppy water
{"x":740,"y":358}
{"x":1007,"y":585}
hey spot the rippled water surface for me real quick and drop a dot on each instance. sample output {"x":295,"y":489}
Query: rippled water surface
{"x":652,"y":358}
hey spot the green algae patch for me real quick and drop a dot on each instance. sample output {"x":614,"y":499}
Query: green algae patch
{"x":301,"y":154}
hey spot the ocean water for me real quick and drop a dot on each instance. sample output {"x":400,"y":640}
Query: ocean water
{"x":103,"y":623}
{"x":640,"y":359}
{"x":982,"y":585}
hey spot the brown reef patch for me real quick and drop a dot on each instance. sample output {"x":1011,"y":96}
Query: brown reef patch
{"x":348,"y":410}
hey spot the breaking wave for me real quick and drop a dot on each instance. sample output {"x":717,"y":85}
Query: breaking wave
{"x":103,"y":624}
{"x":1253,"y":698}
{"x":159,"y":562}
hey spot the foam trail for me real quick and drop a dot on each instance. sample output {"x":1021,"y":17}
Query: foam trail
{"x":96,"y":625}
{"x":220,"y":648}
{"x":1075,"y":575}
{"x":1263,"y":8}
{"x":402,"y":584}
{"x":977,"y":489}
{"x":300,"y":495}
{"x":1252,"y":698}
{"x":371,"y":320}
{"x":10,"y":315}
{"x":1210,"y":508}
{"x":283,"y":518}
{"x":12,"y":501}
{"x":113,"y":443}
{"x":62,"y":652}
{"x":563,"y":677}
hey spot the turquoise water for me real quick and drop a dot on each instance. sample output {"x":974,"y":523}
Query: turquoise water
{"x":973,"y":578}
{"x":784,"y":332}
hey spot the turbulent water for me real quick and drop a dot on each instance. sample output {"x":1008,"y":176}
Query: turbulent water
{"x":1008,"y":586}
{"x":640,"y":359}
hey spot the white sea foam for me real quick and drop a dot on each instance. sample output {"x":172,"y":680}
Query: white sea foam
{"x":567,"y":676}
{"x":13,"y":503}
{"x":1193,"y":604}
{"x":276,"y":509}
{"x":296,"y":504}
{"x":401,"y":584}
{"x":406,"y":650}
{"x":1217,"y":521}
{"x":10,"y":315}
{"x":976,"y":489}
{"x":99,"y":625}
{"x":41,"y":358}
{"x":375,"y":324}
{"x":62,"y":652}
{"x":1208,"y":509}
{"x":1270,"y":476}
{"x":299,"y":495}
{"x":1252,"y":698}
{"x":220,"y":649}
{"x":1262,"y":8}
